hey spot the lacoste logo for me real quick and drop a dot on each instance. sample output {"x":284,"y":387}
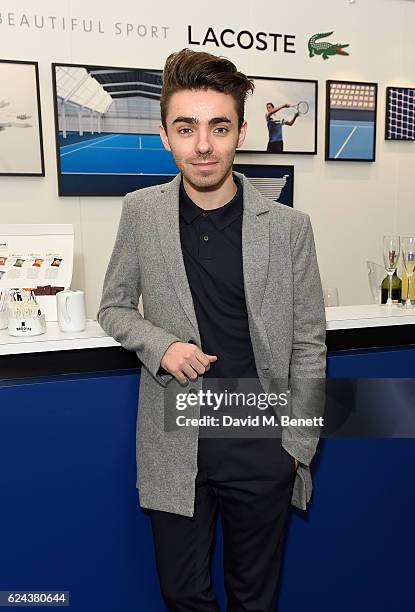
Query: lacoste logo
{"x":325,"y":49}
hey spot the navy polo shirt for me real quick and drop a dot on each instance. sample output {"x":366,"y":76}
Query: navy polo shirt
{"x":211,"y":243}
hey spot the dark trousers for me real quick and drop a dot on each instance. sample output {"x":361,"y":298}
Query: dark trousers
{"x":275,"y":147}
{"x":250,"y":481}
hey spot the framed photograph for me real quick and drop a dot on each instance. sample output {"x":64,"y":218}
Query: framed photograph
{"x":351,"y":109}
{"x":400,"y":113}
{"x":21,"y":144}
{"x":273,"y":182}
{"x":107,"y":130}
{"x":281,"y":116}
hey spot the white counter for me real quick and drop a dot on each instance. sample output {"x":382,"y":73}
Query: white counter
{"x":54,"y":340}
{"x":338,"y":317}
{"x":370,"y":315}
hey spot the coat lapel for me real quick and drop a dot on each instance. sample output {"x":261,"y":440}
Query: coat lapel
{"x":169,"y":233}
{"x":255,"y":246}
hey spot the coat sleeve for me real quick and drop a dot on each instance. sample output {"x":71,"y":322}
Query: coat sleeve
{"x":308,"y":358}
{"x":118,"y":312}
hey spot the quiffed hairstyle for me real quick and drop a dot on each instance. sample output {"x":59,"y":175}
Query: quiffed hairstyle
{"x":187,"y":69}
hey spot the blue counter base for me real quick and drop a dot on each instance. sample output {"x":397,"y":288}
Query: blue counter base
{"x":70,"y":518}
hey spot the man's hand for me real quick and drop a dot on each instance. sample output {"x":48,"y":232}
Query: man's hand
{"x":186,"y":361}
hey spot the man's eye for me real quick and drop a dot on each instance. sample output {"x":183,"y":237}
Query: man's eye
{"x":222,"y":130}
{"x":184,"y":131}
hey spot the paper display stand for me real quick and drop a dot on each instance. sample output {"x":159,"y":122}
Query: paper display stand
{"x":34,"y":255}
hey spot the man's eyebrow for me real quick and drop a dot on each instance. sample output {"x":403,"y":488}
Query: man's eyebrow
{"x":181,"y":119}
{"x":195,"y":121}
{"x":216,"y":120}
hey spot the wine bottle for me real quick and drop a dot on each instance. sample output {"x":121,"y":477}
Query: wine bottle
{"x":396,"y":289}
{"x":405,"y":287}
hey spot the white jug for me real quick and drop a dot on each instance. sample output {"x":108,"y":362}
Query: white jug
{"x":71,"y":310}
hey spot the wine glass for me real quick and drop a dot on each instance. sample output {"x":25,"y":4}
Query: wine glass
{"x":331,"y":296}
{"x":408,"y":257}
{"x":391,"y":251}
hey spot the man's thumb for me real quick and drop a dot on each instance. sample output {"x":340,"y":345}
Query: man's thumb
{"x":212,"y":357}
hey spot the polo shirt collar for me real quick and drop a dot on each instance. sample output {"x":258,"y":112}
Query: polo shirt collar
{"x":221,"y":217}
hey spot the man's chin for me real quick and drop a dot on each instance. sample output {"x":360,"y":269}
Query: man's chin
{"x":208,"y":180}
{"x":204,"y":181}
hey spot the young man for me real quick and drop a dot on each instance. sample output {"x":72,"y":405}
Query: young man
{"x":231,"y":289}
{"x":274,"y":125}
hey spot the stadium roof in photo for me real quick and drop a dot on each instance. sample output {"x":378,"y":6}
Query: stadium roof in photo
{"x":96,"y":88}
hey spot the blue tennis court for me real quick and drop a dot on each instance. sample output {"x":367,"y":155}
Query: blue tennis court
{"x":112,"y":164}
{"x":351,"y":139}
{"x":117,"y":154}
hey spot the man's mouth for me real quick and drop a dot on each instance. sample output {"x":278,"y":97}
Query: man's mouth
{"x":204,"y":164}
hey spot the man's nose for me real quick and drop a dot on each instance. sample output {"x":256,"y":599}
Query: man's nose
{"x":203,"y":144}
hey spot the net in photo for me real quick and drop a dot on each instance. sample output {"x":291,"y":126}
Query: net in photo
{"x":400,"y":113}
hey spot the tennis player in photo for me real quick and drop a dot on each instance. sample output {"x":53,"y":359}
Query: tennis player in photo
{"x":275,"y":124}
{"x":290,"y":125}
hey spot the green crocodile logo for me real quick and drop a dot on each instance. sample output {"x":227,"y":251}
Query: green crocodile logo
{"x":325,"y":48}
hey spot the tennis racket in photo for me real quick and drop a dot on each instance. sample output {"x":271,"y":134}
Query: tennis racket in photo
{"x":302,"y":107}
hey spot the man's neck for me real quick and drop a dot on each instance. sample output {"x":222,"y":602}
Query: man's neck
{"x":213,"y":198}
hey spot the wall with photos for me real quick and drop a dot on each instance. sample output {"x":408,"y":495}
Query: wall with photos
{"x":351,"y":204}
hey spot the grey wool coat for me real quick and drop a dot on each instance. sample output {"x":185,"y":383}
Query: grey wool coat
{"x":286,"y":321}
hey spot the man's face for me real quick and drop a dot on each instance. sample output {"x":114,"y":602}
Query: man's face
{"x":202,"y":133}
{"x":269,"y":107}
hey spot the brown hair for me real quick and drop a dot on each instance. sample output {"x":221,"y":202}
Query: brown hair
{"x":187,"y":69}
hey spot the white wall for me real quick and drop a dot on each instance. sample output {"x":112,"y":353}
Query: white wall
{"x":351,"y":204}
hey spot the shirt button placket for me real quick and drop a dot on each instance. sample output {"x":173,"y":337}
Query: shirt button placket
{"x":205,"y":238}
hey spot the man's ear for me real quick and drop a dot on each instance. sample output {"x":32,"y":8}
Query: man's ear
{"x":164,"y":138}
{"x":242,"y":134}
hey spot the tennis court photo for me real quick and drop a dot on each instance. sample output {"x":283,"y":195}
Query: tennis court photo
{"x":351,"y":121}
{"x":107,"y":130}
{"x":281,"y":116}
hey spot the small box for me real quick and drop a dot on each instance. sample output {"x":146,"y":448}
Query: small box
{"x":27,"y":327}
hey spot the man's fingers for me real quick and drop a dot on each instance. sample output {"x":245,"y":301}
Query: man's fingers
{"x":199,"y":364}
{"x":179,"y":376}
{"x":190,"y":364}
{"x":188,"y":371}
{"x":182,"y":379}
{"x":204,"y":360}
{"x":194,"y":368}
